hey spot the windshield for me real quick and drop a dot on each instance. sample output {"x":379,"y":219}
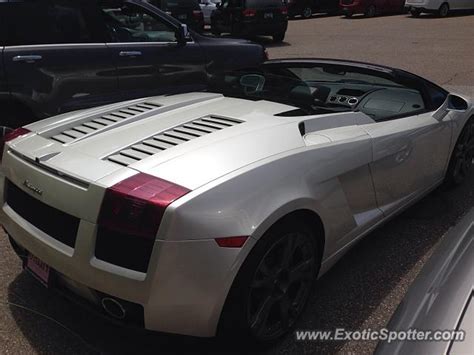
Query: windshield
{"x":170,"y":4}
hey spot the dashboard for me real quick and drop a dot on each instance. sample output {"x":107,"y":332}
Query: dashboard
{"x":378,"y":102}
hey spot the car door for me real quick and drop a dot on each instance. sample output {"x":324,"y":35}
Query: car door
{"x":149,"y":58}
{"x":410,"y":153}
{"x":56,"y":59}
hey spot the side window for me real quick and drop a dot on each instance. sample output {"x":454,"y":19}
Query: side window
{"x":131,"y":23}
{"x":48,"y":22}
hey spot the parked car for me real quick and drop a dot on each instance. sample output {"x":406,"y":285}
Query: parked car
{"x":214,"y":212}
{"x":59,"y":56}
{"x":208,"y":7}
{"x":371,"y":8}
{"x":185,"y":11}
{"x":439,"y":7}
{"x":250,"y":18}
{"x":440,"y":298}
{"x":306,"y":8}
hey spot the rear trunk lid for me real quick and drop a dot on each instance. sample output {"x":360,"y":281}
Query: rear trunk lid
{"x":146,"y":135}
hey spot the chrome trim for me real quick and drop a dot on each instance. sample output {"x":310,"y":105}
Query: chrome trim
{"x":39,"y":46}
{"x":27,"y":58}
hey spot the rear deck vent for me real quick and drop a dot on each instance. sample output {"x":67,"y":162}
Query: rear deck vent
{"x":99,"y":123}
{"x":171,"y":138}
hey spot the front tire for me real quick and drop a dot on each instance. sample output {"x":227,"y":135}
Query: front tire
{"x":273,"y":286}
{"x":415,"y":12}
{"x":443,"y":10}
{"x":461,"y":163}
{"x":279,"y":37}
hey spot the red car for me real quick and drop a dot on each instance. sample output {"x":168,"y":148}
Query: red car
{"x":370,"y":8}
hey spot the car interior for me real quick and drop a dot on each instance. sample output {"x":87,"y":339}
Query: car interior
{"x":326,"y":89}
{"x":130,"y":23}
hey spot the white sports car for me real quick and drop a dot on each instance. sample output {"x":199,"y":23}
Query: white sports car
{"x":214,"y":212}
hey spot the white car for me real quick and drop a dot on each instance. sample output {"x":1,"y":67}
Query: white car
{"x":215,"y":212}
{"x":439,"y":7}
{"x":207,"y":7}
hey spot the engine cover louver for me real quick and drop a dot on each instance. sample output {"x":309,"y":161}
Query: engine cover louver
{"x":102,"y":122}
{"x":171,"y":138}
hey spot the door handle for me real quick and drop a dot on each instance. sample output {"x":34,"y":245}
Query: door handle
{"x":130,"y":53}
{"x":27,"y":58}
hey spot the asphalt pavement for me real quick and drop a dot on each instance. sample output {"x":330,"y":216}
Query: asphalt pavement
{"x":363,"y":289}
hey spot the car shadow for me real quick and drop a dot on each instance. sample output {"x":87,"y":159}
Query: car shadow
{"x":363,"y":17}
{"x":315,"y":16}
{"x":453,"y":14}
{"x":363,"y":288}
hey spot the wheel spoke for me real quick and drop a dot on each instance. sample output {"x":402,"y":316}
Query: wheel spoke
{"x":288,"y":251}
{"x":302,"y":271}
{"x":260,"y":318}
{"x":285,"y":305}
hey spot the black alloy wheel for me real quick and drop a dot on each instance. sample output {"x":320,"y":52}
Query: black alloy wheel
{"x":461,"y":162}
{"x":273,"y":285}
{"x":281,"y":285}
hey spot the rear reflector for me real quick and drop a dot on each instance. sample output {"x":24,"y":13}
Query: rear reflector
{"x":284,"y":10}
{"x":249,"y":13}
{"x":136,"y":205}
{"x":231,"y":242}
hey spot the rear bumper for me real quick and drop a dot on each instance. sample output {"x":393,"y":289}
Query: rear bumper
{"x":420,"y":9}
{"x":251,"y":28}
{"x":355,"y":8}
{"x":182,"y":292}
{"x":424,"y":5}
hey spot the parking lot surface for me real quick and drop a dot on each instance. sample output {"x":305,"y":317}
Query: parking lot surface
{"x":363,"y":290}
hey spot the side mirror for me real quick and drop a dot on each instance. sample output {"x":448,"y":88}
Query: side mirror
{"x":183,"y":34}
{"x":456,"y":103}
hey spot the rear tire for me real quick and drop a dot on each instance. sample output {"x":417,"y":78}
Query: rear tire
{"x":307,"y":12}
{"x":415,"y":12}
{"x":371,"y":11}
{"x":443,"y":10}
{"x":461,"y":162}
{"x":273,"y":285}
{"x":279,"y":37}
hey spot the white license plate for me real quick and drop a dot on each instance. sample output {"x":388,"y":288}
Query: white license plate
{"x":38,"y":269}
{"x":268,"y":15}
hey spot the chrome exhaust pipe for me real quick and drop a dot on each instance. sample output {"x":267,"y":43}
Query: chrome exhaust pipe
{"x":113,"y":308}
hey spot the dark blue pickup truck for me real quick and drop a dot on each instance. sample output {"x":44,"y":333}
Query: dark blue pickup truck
{"x":63,"y":55}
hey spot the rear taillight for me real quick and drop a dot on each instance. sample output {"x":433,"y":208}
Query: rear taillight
{"x":284,"y":10}
{"x":11,"y":136}
{"x":249,"y":13}
{"x":136,"y":205}
{"x":129,"y":219}
{"x":198,"y":15}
